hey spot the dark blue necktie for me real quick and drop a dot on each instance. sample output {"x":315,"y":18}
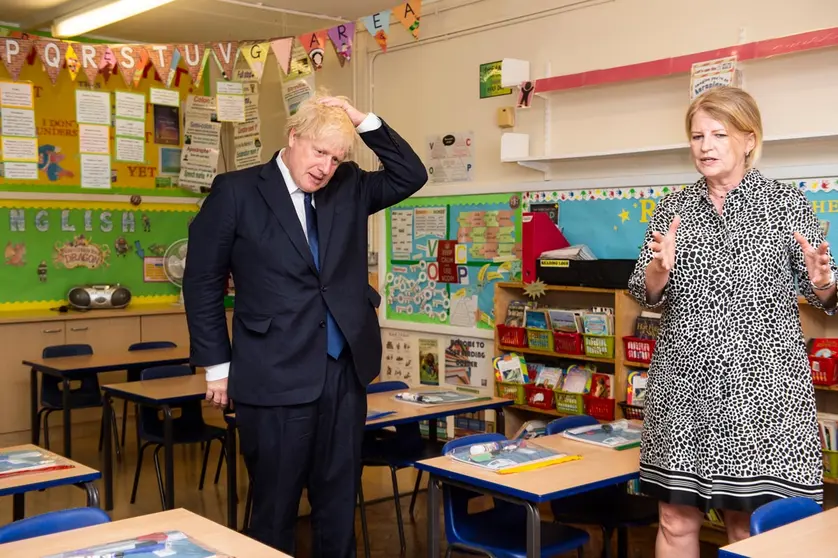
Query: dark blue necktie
{"x":335,"y":340}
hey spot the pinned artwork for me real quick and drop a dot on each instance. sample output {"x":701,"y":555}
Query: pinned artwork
{"x":81,"y":252}
{"x":525,"y":94}
{"x":15,"y":254}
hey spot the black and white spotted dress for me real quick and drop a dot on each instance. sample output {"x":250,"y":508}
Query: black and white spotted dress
{"x":730,"y":419}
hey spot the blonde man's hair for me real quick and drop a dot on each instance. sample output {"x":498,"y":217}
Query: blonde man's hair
{"x":734,"y":108}
{"x":324,"y":123}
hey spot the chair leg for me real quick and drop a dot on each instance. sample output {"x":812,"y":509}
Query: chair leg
{"x":398,"y":504}
{"x":102,"y":432}
{"x":415,"y":493}
{"x":607,"y":536}
{"x":46,"y":428}
{"x":363,"y":509}
{"x":248,"y":505}
{"x":124,"y":419}
{"x":204,"y":466}
{"x":115,"y":431}
{"x":159,"y":476}
{"x":137,"y":473}
{"x":580,"y":552}
{"x":222,"y":454}
{"x":622,"y":542}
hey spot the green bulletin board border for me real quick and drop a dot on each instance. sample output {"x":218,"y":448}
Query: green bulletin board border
{"x":448,"y":202}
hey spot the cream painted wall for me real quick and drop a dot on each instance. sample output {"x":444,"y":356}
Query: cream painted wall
{"x":430,"y":86}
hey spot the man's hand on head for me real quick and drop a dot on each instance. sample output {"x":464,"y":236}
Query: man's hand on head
{"x":354,"y":114}
{"x":217,"y":393}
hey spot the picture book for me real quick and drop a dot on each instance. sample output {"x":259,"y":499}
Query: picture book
{"x":620,"y":434}
{"x":646,"y":327}
{"x":568,"y":321}
{"x":577,"y":379}
{"x":434,"y":397}
{"x":537,"y":319}
{"x":531,"y":429}
{"x":602,"y":385}
{"x":509,"y":456}
{"x":515,"y":313}
{"x":28,"y":461}
{"x":511,"y":368}
{"x":636,"y":389}
{"x":172,"y":544}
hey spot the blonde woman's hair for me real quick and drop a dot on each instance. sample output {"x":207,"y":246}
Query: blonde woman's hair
{"x":329,"y":124}
{"x":734,"y":108}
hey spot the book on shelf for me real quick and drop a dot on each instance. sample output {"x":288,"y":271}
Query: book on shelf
{"x":636,"y":388}
{"x":575,"y":252}
{"x":509,"y":456}
{"x":602,"y":385}
{"x":515,"y":313}
{"x":531,"y":429}
{"x":441,"y":397}
{"x":620,"y":434}
{"x":172,"y":544}
{"x":647,"y":325}
{"x":511,"y":368}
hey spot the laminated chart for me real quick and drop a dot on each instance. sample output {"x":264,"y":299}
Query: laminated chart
{"x":444,"y":255}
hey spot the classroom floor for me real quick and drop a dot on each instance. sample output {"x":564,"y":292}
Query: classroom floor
{"x":211,"y":502}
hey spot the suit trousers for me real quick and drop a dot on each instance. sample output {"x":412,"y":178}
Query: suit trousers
{"x":315,"y":445}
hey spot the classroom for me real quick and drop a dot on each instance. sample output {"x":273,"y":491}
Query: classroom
{"x":570,"y":260}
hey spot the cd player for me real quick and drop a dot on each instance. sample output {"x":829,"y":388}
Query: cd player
{"x":91,"y":297}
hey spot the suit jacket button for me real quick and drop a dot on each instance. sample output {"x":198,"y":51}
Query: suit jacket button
{"x":322,"y":324}
{"x":323,"y":288}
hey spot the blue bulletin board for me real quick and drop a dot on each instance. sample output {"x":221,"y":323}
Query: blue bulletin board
{"x":484,"y":232}
{"x":613,"y":221}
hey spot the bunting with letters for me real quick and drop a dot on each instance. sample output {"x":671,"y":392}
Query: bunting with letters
{"x":132,"y":60}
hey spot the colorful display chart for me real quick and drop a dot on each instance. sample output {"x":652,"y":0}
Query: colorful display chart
{"x":57,"y":131}
{"x":613,"y":221}
{"x":444,"y":255}
{"x":50,"y":247}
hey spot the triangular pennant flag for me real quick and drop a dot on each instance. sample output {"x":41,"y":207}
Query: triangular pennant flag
{"x":341,"y":37}
{"x":161,"y":58}
{"x":409,"y":13}
{"x":174,"y":70}
{"x":256,"y":55}
{"x":193,"y":57}
{"x":197,"y":80}
{"x":14,"y":53}
{"x":282,"y":51}
{"x":140,"y":71}
{"x":378,"y":25}
{"x":88,"y":60}
{"x":315,"y":46}
{"x":128,"y":58}
{"x":73,"y":62}
{"x":52,"y":55}
{"x":107,"y":60}
{"x":226,"y":55}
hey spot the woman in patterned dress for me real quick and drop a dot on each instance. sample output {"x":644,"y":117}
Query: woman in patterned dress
{"x":730,"y":420}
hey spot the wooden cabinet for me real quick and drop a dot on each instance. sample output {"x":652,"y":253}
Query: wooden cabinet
{"x":22,"y":341}
{"x":169,"y":327}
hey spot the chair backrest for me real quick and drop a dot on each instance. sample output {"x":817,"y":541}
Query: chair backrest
{"x":52,"y":522}
{"x":378,"y":387}
{"x":86,"y":394}
{"x":781,"y":512}
{"x":149,"y":345}
{"x":191,"y":415}
{"x":455,"y":500}
{"x":566,"y":423}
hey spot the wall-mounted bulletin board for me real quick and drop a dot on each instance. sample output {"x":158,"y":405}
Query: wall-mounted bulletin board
{"x":57,"y":129}
{"x":612,"y":221}
{"x":444,"y":254}
{"x":50,"y":247}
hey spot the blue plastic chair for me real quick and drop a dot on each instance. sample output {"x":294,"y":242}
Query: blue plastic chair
{"x":612,"y":507}
{"x":396,"y":450}
{"x":500,"y":531}
{"x":188,"y":428}
{"x":134,"y":376}
{"x":86,"y":396}
{"x":782,"y":512}
{"x":52,"y":522}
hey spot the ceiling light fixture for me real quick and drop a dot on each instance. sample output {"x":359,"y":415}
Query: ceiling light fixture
{"x":100,"y":15}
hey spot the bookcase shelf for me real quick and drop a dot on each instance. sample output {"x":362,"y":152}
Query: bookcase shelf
{"x":528,"y":351}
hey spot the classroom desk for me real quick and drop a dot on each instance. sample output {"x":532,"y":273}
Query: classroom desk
{"x":599,"y":467}
{"x":161,"y":393}
{"x":812,"y":536}
{"x":220,"y":538}
{"x":18,"y":485}
{"x":73,"y":368}
{"x":403,"y":413}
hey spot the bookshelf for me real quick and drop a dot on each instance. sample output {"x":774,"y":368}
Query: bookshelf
{"x":625,"y":312}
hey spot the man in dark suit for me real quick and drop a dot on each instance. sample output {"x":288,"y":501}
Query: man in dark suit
{"x":306,"y":340}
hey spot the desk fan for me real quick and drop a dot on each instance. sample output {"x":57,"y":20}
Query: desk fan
{"x":174,"y":264}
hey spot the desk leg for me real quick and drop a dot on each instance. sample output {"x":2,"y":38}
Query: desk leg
{"x":33,"y":404}
{"x":533,"y":530}
{"x":18,"y":507}
{"x":232,"y":487}
{"x":107,"y":472}
{"x":65,"y":402}
{"x":432,"y":426}
{"x":433,"y":517}
{"x":168,"y":445}
{"x":92,"y":494}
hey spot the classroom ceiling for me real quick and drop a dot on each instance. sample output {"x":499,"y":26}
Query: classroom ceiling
{"x":204,"y":20}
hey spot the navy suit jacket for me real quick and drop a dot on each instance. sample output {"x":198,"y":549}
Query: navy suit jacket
{"x":248,"y":225}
